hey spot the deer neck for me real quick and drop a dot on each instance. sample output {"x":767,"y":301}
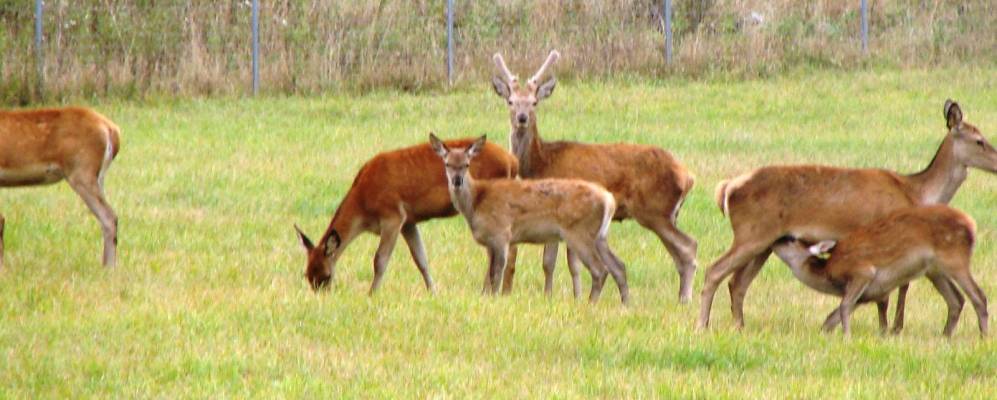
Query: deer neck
{"x":938,"y":183}
{"x":347,"y":223}
{"x":463,"y":198}
{"x":528,"y":148}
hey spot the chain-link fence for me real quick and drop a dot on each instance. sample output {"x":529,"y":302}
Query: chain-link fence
{"x":59,"y":48}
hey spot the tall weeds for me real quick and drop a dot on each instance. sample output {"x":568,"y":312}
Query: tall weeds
{"x":202,"y":47}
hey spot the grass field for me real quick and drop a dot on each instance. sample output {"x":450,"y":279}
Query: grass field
{"x":208,"y":299}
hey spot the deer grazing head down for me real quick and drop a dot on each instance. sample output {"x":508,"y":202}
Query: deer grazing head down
{"x":971,"y":149}
{"x":320,"y":270}
{"x":523,"y":99}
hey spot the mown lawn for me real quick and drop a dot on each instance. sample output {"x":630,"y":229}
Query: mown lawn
{"x":208,"y":299}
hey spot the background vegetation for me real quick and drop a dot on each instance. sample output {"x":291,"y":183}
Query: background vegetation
{"x":209,"y":300}
{"x":138,"y":47}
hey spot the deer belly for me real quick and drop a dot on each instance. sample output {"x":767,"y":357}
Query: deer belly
{"x":888,"y":279}
{"x":35,"y":174}
{"x":536,"y":232}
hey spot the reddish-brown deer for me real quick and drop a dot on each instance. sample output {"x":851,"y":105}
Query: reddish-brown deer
{"x":649,"y":184}
{"x":824,"y":203}
{"x":41,"y":147}
{"x":502,"y":212}
{"x":392,"y":193}
{"x":869,"y":262}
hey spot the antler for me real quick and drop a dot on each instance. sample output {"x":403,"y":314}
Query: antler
{"x":500,"y":63}
{"x":543,"y":68}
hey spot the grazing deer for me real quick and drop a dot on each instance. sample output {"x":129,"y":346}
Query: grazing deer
{"x":648,"y":183}
{"x":871,"y":261}
{"x":509,"y":211}
{"x":41,"y":147}
{"x":392,"y":193}
{"x":824,"y":203}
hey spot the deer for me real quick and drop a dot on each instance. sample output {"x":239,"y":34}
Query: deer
{"x":503,"y":212}
{"x":871,"y":261}
{"x":75,"y":144}
{"x":815,"y":203}
{"x":392,"y":193}
{"x":648,"y":183}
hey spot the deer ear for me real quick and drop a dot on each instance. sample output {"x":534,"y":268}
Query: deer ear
{"x":332,"y":243}
{"x":953,"y":114}
{"x":305,"y":241}
{"x":547,"y":89}
{"x":438,"y":146}
{"x":501,"y":87}
{"x":822,"y":247}
{"x":476,"y":147}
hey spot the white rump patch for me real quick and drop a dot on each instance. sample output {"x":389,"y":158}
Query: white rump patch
{"x":106,"y":162}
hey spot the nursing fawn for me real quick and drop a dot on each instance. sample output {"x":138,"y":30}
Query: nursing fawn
{"x":871,"y":261}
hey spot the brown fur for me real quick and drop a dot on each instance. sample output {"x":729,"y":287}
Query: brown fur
{"x":44,"y":146}
{"x":649,"y":183}
{"x":510,"y":211}
{"x":818,"y":203}
{"x":391,"y":193}
{"x":871,"y":261}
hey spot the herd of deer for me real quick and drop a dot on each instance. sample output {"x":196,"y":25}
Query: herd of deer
{"x":853,"y":233}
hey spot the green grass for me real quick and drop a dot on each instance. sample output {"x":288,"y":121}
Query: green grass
{"x":209,"y":299}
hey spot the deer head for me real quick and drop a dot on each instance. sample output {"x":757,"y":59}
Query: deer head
{"x":523,"y":100}
{"x":321,"y":267}
{"x":798,"y":254}
{"x":969,"y":146}
{"x":457,"y":161}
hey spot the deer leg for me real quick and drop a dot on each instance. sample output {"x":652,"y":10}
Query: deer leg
{"x":615,"y":267}
{"x":735,"y":258}
{"x":832,"y":320}
{"x":597,"y":270}
{"x":389,"y":235}
{"x":853,"y":292}
{"x":549,"y":261}
{"x":576,"y":282}
{"x":88,"y":189}
{"x":682,"y":249}
{"x":953,"y":300}
{"x":882,"y":306}
{"x":414,"y":241}
{"x":738,"y":286}
{"x":487,"y":287}
{"x":976,"y":296}
{"x":499,"y":256}
{"x":898,"y":319}
{"x":510,"y":269}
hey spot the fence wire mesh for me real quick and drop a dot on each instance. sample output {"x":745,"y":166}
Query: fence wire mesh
{"x":133,"y":47}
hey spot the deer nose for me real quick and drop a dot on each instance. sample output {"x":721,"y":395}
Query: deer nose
{"x":319,"y":282}
{"x":457,"y":181}
{"x":522,"y":118}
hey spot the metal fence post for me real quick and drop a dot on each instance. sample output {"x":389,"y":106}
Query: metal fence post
{"x":667,"y":15}
{"x":256,"y":47}
{"x":865,"y":26}
{"x":450,"y":41}
{"x":39,"y":56}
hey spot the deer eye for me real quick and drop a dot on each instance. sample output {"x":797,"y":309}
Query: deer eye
{"x":534,"y":104}
{"x":509,"y":102}
{"x":980,"y":142}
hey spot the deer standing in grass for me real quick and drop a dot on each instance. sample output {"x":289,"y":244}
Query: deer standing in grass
{"x":392,"y":193}
{"x":869,"y":262}
{"x":509,"y":211}
{"x":41,"y":147}
{"x":648,"y":183}
{"x":824,"y":203}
